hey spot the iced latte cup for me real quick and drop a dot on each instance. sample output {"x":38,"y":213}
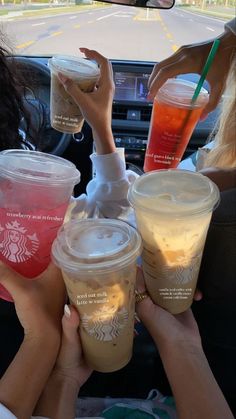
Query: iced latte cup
{"x":65,"y":113}
{"x":98,"y":262}
{"x":173,"y":210}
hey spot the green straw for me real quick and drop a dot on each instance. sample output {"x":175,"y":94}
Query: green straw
{"x":206,"y":68}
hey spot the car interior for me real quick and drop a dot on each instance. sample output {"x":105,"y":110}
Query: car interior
{"x":131,"y":114}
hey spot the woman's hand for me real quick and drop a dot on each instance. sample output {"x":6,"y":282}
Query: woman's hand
{"x":191,"y":59}
{"x":96,"y":106}
{"x":70,"y":363}
{"x":69,"y":374}
{"x":39,"y":305}
{"x":167,"y":330}
{"x":38,"y":302}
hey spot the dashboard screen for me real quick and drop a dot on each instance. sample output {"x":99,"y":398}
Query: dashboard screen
{"x":131,"y":86}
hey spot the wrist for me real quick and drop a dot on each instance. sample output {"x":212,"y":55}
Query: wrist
{"x":43,"y":338}
{"x":63,"y":381}
{"x":170,"y":350}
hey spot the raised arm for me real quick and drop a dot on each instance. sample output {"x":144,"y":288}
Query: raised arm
{"x":96,"y":106}
{"x":191,"y":59}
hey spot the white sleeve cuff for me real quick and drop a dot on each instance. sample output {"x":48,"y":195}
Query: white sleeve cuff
{"x":5,"y":413}
{"x":109,"y":167}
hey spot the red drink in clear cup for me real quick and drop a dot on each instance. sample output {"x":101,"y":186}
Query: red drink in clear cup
{"x":35,"y":190}
{"x":172,"y":123}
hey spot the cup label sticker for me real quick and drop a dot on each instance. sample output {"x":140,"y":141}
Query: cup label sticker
{"x":17,"y":244}
{"x":105,"y":324}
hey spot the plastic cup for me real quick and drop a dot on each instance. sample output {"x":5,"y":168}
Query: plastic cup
{"x":98,"y":262}
{"x":173,"y":210}
{"x":65,"y":113}
{"x":173,"y":120}
{"x":35,"y":190}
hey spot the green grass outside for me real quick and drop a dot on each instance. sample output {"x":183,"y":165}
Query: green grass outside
{"x":54,"y":10}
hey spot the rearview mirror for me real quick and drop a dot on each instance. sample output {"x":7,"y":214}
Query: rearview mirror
{"x":156,"y":4}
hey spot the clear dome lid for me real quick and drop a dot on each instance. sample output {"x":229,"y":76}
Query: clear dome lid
{"x":74,"y":67}
{"x":174,"y":192}
{"x":36,"y":167}
{"x":96,"y":245}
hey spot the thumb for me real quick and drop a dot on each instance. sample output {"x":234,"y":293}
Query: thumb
{"x":71,"y":351}
{"x":73,"y":89}
{"x":70,"y":323}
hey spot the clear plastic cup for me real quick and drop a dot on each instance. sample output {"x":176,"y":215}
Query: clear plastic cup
{"x":173,"y":120}
{"x":65,"y":113}
{"x":173,"y":210}
{"x":98,"y":262}
{"x":35,"y":190}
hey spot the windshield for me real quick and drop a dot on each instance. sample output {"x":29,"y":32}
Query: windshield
{"x":119,"y":32}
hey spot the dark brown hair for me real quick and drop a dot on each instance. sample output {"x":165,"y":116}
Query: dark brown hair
{"x":12,"y":108}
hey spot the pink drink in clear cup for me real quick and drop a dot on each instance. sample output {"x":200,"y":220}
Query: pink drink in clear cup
{"x":35,"y":190}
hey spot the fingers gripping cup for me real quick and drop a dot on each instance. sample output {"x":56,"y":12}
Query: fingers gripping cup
{"x":65,"y":113}
{"x":35,"y":189}
{"x":98,"y":262}
{"x":173,"y":120}
{"x":173,"y":209}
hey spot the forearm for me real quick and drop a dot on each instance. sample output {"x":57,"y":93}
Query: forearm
{"x":104,"y":141}
{"x":58,"y":400}
{"x":25,"y":378}
{"x":195,"y":389}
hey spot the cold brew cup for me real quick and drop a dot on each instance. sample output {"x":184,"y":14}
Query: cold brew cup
{"x":35,"y":190}
{"x":173,"y":210}
{"x":173,"y":120}
{"x":98,"y":262}
{"x":65,"y":113}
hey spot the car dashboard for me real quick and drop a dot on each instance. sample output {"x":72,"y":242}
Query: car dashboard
{"x":131,"y":111}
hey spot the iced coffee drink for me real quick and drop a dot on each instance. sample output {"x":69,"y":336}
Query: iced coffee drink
{"x":98,"y":262}
{"x":65,"y":113}
{"x":173,"y":210}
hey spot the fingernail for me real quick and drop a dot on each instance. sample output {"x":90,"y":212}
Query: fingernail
{"x":67,"y":311}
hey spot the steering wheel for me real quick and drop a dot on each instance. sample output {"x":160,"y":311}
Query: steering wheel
{"x":39,"y":72}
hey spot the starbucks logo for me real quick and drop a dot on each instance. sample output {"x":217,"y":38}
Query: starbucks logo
{"x":104,"y":324}
{"x":15,"y":244}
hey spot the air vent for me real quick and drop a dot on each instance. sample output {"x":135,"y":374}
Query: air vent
{"x":146,"y":114}
{"x":119,"y":112}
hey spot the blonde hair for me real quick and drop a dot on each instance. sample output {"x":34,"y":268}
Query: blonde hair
{"x":223,"y":154}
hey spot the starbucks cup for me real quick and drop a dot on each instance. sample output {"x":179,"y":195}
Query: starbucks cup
{"x":98,"y":262}
{"x":65,"y":113}
{"x":35,"y":190}
{"x":173,"y":210}
{"x":173,"y":120}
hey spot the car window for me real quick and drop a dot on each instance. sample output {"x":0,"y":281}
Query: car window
{"x":118,"y":32}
